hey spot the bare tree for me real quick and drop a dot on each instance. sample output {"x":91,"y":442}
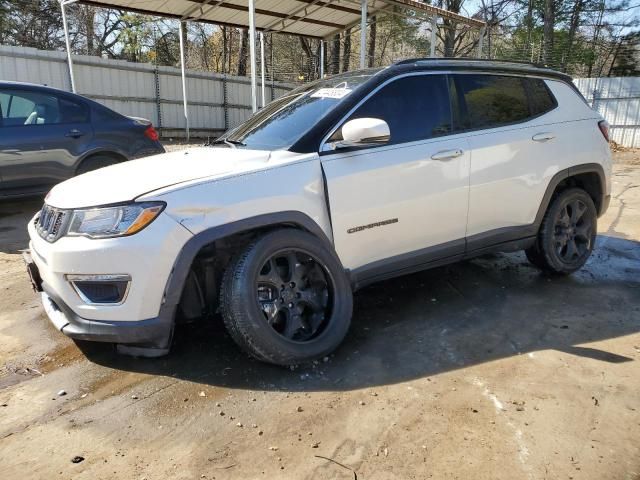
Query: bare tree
{"x":549,"y":31}
{"x":372,"y":42}
{"x":335,"y":54}
{"x":242,"y":59}
{"x":346,"y":51}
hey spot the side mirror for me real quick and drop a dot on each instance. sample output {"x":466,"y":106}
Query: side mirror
{"x":363,"y":132}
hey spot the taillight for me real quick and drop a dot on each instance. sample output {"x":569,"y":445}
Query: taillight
{"x":604,"y":129}
{"x":151,"y":133}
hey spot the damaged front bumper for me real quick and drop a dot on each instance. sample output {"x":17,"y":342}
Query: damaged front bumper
{"x":151,"y":337}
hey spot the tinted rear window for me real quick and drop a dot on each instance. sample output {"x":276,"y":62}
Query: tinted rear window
{"x":73,"y":112}
{"x":103,"y":114}
{"x":540,"y":98}
{"x":492,"y":100}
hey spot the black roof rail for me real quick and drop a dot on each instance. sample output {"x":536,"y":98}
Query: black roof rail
{"x":468,"y":59}
{"x":440,"y":63}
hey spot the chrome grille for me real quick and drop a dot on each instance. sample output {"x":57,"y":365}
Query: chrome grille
{"x":50,"y":223}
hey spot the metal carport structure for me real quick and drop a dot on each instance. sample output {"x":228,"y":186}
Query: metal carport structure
{"x":319,"y":19}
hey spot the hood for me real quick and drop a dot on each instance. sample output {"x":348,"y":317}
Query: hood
{"x":128,"y":180}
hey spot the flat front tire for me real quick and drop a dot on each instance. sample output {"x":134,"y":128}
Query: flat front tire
{"x":285,"y":298}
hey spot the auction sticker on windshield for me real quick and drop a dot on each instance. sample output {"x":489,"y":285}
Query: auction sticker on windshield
{"x":331,"y":93}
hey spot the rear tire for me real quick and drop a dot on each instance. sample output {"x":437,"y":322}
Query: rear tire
{"x":567,"y":234}
{"x":285,"y":299}
{"x":95,"y":162}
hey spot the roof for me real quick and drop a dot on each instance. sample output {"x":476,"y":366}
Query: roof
{"x":310,"y":18}
{"x":29,"y":85}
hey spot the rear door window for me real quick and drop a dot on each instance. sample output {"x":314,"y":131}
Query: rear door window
{"x":491,"y":100}
{"x":415,"y":107}
{"x":27,"y":108}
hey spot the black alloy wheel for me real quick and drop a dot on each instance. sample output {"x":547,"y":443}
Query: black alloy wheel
{"x":294,"y":295}
{"x":573,"y":229}
{"x":567,"y":234}
{"x":285,"y":298}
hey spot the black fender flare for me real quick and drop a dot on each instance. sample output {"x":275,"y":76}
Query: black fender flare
{"x":567,"y":173}
{"x":184,"y":260}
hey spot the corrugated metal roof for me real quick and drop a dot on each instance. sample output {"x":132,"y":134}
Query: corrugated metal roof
{"x":312,"y":18}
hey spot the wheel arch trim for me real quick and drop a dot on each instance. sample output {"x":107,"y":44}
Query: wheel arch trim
{"x":565,"y":174}
{"x":186,"y":256}
{"x":99,"y":151}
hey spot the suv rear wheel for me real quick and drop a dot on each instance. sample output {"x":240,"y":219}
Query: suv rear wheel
{"x":95,"y":162}
{"x":567,"y":235}
{"x":285,"y":298}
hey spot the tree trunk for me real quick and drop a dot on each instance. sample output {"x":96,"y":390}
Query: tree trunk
{"x":596,"y":34}
{"x":346,"y":58}
{"x":224,"y":49}
{"x":573,"y":27}
{"x":335,"y":54}
{"x":307,"y":67}
{"x":449,"y":37}
{"x":615,"y":56}
{"x":529,"y":21}
{"x":230,"y":50}
{"x":372,"y":42}
{"x":89,"y":26}
{"x":549,"y":24}
{"x":244,"y":46}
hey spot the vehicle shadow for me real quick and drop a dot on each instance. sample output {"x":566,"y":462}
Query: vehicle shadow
{"x":432,"y":322}
{"x":14,"y":217}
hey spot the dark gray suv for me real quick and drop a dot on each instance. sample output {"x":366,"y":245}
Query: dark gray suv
{"x":48,"y":135}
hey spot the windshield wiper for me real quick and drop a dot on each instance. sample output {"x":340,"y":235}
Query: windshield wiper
{"x":226,"y":141}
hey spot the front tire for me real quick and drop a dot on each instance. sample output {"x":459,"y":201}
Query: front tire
{"x":567,"y":234}
{"x":285,"y":299}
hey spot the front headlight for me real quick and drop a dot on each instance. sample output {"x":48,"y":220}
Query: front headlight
{"x":113,"y":221}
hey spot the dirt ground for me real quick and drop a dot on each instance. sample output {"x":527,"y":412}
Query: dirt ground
{"x":481,"y":370}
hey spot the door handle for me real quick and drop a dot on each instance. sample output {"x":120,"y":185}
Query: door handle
{"x":74,"y":133}
{"x":447,"y":154}
{"x":543,"y":137}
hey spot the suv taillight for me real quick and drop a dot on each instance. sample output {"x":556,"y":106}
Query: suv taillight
{"x":151,"y":133}
{"x":604,"y":129}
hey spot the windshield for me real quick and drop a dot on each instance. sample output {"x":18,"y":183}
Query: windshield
{"x":283,"y":121}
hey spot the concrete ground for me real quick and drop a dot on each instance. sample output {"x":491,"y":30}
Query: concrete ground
{"x":481,"y":370}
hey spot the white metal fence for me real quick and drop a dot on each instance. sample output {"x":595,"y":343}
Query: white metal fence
{"x":618,"y":100}
{"x":216,"y":102}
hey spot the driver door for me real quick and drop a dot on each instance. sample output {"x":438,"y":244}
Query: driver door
{"x":404,"y":203}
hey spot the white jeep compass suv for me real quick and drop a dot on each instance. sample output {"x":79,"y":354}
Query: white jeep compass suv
{"x":340,"y":183}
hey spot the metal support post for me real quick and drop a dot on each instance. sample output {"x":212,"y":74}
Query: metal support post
{"x":252,"y":54}
{"x":184,"y":81}
{"x":68,"y":42}
{"x":262,"y":86}
{"x":321,"y":58}
{"x":363,"y":33}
